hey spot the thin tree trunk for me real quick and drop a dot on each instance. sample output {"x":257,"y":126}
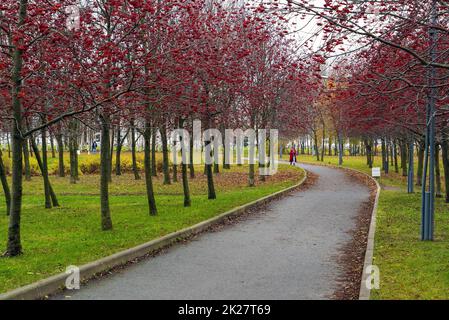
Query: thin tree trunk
{"x":133,"y":151}
{"x":52,"y":146}
{"x":61,"y":166}
{"x":148,"y":171}
{"x":111,"y":152}
{"x":185,"y":179}
{"x":369,"y":152}
{"x":26,"y":157}
{"x":165,"y":165}
{"x":445,"y":152}
{"x":106,"y":221}
{"x":44,"y":169}
{"x":73,"y":148}
{"x":404,"y":157}
{"x":153,"y":151}
{"x":191,"y":165}
{"x":5,"y":184}
{"x":118,"y":162}
{"x":209,"y":172}
{"x":395,"y":156}
{"x":439,"y":193}
{"x":384,"y":157}
{"x":317,"y":151}
{"x":9,"y":145}
{"x":50,"y":196}
{"x":421,"y":152}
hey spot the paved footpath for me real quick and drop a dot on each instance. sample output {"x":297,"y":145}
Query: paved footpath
{"x":286,"y":253}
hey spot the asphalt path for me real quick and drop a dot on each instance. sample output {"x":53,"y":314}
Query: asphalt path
{"x":288,"y":252}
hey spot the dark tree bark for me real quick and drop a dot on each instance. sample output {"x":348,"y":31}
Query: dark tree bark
{"x":111,"y":152}
{"x":317,"y":151}
{"x":5,"y":184}
{"x":50,"y":196}
{"x":44,"y":168}
{"x":73,"y":149}
{"x":175,"y":166}
{"x":445,"y":156}
{"x":133,"y":151}
{"x":14,"y":245}
{"x":26,"y":158}
{"x":9,"y":145}
{"x":369,"y":151}
{"x":439,"y":193}
{"x":148,"y":176}
{"x":385,"y":162}
{"x":61,"y":167}
{"x":404,"y":158}
{"x":52,"y":146}
{"x":185,"y":179}
{"x":118,"y":161}
{"x":395,"y":157}
{"x":209,"y":171}
{"x":105,"y":169}
{"x":421,"y":151}
{"x":153,"y":151}
{"x":165,"y":165}
{"x":191,"y":165}
{"x":120,"y":142}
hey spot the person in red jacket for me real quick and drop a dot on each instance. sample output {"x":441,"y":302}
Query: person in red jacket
{"x":292,"y":156}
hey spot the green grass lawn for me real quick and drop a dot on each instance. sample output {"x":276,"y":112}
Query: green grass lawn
{"x":71,"y":235}
{"x":410,"y":268}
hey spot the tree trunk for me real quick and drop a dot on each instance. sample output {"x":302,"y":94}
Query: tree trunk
{"x":52,"y":146}
{"x":26,"y":157}
{"x":44,"y":169}
{"x":5,"y":184}
{"x":369,"y":151}
{"x":73,"y":149}
{"x":106,"y":221}
{"x":148,"y":171}
{"x":191,"y":165}
{"x":404,"y":157}
{"x":439,"y":193}
{"x":153,"y":151}
{"x":445,"y":152}
{"x":111,"y":152}
{"x":50,"y":196}
{"x":395,"y":157}
{"x":323,"y":143}
{"x":317,"y":151}
{"x":411,"y":167}
{"x":165,"y":165}
{"x":118,"y":162}
{"x":14,"y":245}
{"x":61,"y":166}
{"x":385,"y":164}
{"x":133,"y":151}
{"x":421,"y":152}
{"x":185,"y":179}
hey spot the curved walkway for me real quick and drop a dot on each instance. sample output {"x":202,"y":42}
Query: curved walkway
{"x":286,"y":253}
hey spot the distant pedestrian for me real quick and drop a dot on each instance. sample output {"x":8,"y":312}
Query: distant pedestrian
{"x":94,"y":147}
{"x":292,"y":156}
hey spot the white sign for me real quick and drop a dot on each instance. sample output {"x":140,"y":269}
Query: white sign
{"x":376,"y":172}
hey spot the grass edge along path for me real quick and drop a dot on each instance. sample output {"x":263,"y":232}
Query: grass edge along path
{"x":71,"y":236}
{"x":409,"y":268}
